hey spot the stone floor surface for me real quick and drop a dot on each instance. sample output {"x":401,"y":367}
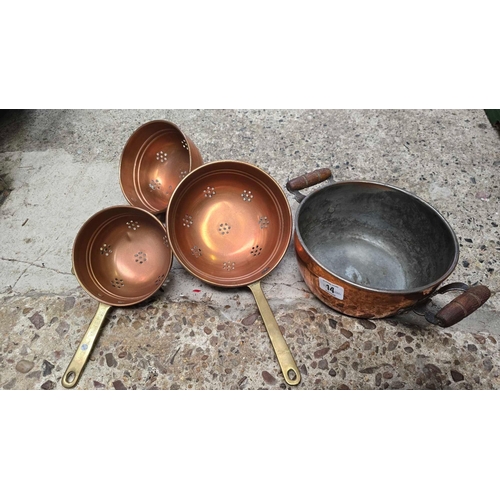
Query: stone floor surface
{"x":59,"y":167}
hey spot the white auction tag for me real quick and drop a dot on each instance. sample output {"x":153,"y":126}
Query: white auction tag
{"x":335,"y":290}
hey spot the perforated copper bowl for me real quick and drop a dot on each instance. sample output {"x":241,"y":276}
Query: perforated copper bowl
{"x":121,"y":256}
{"x":230,"y":224}
{"x":154,"y":160}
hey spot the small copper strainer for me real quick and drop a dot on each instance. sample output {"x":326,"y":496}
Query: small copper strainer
{"x":230,"y":224}
{"x":155,"y":159}
{"x":121,"y":256}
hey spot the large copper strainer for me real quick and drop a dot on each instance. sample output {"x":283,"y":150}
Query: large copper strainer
{"x":154,"y":160}
{"x":121,"y":256}
{"x":230,"y":224}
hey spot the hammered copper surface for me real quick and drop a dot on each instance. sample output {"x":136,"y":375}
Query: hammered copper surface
{"x":157,"y":156}
{"x":356,"y":301}
{"x":121,"y":255}
{"x":385,"y":248}
{"x":229,"y":223}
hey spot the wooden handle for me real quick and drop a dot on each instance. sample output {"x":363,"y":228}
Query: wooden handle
{"x":308,"y":180}
{"x":463,"y":306}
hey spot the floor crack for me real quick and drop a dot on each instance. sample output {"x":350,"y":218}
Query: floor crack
{"x":42,"y":266}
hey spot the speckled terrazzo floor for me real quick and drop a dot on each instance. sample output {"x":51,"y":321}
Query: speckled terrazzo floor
{"x":59,"y":167}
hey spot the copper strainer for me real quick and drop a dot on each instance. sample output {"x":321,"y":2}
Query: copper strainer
{"x":121,"y":256}
{"x":155,"y":159}
{"x":230,"y":224}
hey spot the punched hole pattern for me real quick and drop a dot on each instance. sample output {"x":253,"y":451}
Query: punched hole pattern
{"x":209,"y":192}
{"x":196,"y":251}
{"x":228,"y":266}
{"x":133,"y":225}
{"x":185,"y":144}
{"x":183,"y":174}
{"x":224,"y":228}
{"x":165,"y":241}
{"x":168,"y":192}
{"x":247,"y":195}
{"x":154,"y":184}
{"x":140,"y":257}
{"x":256,"y":250}
{"x":160,"y":279}
{"x":117,"y":283}
{"x":263,"y":222}
{"x":187,"y":221}
{"x":161,"y":156}
{"x":106,"y":249}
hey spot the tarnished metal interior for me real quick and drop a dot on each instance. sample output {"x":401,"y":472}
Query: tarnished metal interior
{"x":377,"y":236}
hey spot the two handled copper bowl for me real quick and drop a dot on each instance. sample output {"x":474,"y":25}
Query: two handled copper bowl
{"x":371,"y":250}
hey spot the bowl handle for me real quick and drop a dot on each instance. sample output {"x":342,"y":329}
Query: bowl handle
{"x":77,"y":363}
{"x":307,"y":180}
{"x":462,"y":306}
{"x":285,"y":358}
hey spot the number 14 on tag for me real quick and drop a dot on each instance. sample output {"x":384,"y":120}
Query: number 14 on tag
{"x":334,"y":290}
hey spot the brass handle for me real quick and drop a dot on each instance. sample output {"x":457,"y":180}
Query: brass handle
{"x":285,"y":358}
{"x":77,"y":363}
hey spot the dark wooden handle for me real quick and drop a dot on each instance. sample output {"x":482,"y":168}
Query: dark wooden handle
{"x":463,"y":305}
{"x":310,"y":179}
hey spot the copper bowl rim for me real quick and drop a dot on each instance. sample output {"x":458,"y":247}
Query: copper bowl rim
{"x":199,"y":171}
{"x":138,"y":194}
{"x":76,"y":266}
{"x":327,"y":271}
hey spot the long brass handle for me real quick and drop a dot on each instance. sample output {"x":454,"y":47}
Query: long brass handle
{"x":77,"y":363}
{"x":285,"y":358}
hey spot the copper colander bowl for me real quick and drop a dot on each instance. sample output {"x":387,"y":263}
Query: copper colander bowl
{"x":230,"y":224}
{"x":157,"y":156}
{"x":121,"y":256}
